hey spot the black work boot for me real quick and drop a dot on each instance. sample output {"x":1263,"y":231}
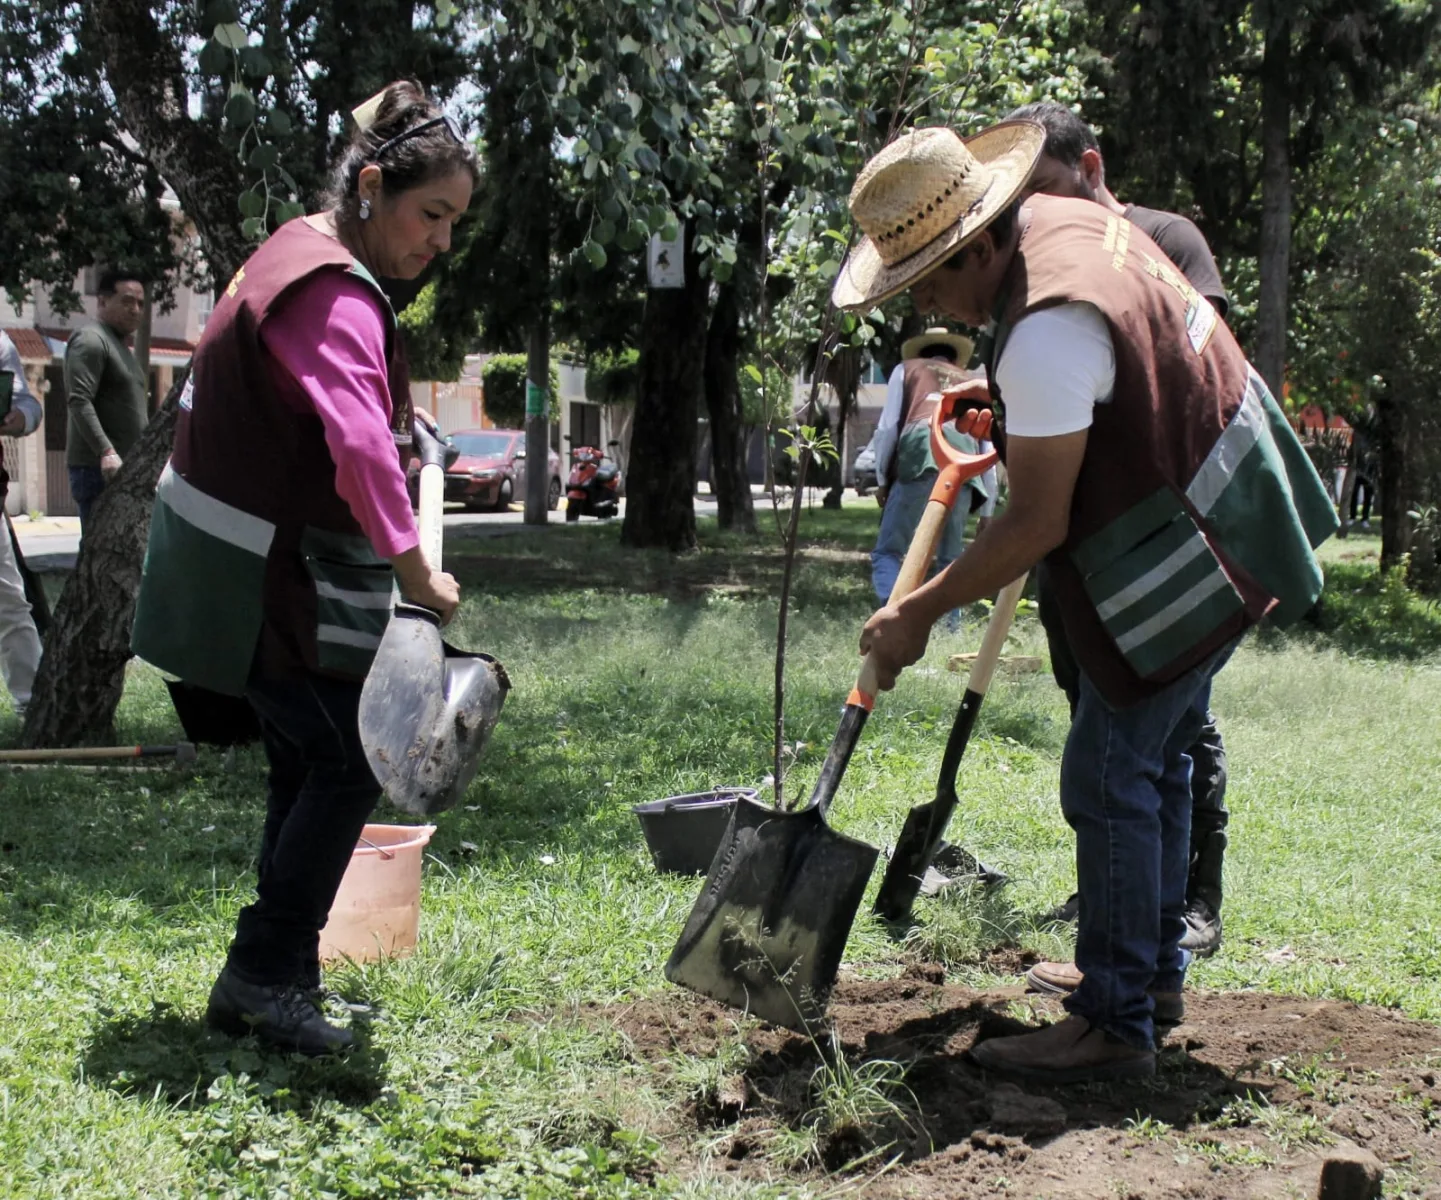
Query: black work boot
{"x":1203,"y":896}
{"x":284,"y":1015}
{"x":1065,"y":914}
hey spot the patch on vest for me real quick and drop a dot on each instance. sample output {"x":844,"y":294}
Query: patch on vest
{"x":234,"y":285}
{"x":1200,"y":323}
{"x":187,"y":393}
{"x":1200,"y":315}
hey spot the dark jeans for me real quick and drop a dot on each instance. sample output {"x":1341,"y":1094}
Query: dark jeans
{"x":86,"y":483}
{"x":1126,"y":791}
{"x":321,"y":793}
{"x":1362,"y":485}
{"x":1207,"y":752}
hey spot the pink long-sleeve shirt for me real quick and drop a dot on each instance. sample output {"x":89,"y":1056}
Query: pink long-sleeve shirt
{"x":327,"y":343}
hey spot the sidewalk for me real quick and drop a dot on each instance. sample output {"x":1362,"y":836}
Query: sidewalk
{"x":49,"y":543}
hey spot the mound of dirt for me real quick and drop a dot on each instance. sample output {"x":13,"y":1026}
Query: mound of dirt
{"x":1256,"y":1096}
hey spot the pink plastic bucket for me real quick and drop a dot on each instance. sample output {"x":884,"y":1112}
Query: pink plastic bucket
{"x":377,"y":910}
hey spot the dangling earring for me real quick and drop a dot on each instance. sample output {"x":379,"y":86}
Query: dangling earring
{"x":365,"y":210}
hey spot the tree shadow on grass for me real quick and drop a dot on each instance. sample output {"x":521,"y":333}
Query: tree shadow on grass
{"x":172,"y":1055}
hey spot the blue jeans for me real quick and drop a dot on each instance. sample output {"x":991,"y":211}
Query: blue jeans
{"x":905,"y":502}
{"x":86,"y":484}
{"x":321,"y":793}
{"x":1126,"y":791}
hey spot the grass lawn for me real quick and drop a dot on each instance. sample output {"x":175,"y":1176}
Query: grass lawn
{"x":488,"y":1066}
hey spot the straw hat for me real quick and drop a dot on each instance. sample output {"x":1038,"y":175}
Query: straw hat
{"x":939,"y":336}
{"x":925,"y":196}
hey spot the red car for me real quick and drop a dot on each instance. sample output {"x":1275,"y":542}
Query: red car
{"x":490,"y":470}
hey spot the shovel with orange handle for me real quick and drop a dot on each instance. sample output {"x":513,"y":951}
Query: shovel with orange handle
{"x":770,"y":925}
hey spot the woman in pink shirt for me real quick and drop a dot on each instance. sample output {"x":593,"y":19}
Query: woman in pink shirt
{"x":282,"y":520}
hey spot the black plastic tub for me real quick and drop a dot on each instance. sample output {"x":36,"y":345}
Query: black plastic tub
{"x":683,"y":832}
{"x":212,"y":718}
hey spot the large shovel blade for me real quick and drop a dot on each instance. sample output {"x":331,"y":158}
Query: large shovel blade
{"x":767,"y":933}
{"x":426,"y":711}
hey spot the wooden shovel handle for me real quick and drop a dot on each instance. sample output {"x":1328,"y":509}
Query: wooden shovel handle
{"x":997,"y":630}
{"x":432,"y":510}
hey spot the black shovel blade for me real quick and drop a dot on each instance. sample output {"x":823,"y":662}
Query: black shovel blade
{"x":426,"y":711}
{"x":768,"y":930}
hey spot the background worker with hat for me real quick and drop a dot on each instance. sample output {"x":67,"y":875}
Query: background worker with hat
{"x":905,"y":467}
{"x":1153,"y":471}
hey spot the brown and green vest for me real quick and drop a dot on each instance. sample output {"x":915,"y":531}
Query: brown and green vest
{"x":1196,"y":509}
{"x":255,"y":565}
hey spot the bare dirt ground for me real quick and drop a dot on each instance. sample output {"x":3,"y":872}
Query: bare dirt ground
{"x":1253,"y":1094}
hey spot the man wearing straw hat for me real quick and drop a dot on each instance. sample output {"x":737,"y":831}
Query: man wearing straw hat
{"x":905,"y":466}
{"x":1168,"y":528}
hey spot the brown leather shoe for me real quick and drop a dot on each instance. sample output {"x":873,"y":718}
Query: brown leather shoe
{"x":1070,"y":1051}
{"x":1061,"y":979}
{"x":1056,"y":978}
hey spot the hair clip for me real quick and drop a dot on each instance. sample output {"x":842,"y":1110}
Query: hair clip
{"x":364,"y":114}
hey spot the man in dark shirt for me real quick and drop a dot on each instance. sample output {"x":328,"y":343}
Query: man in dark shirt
{"x":105,"y":389}
{"x":1071,"y":165}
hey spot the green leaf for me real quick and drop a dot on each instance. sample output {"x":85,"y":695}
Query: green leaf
{"x":252,"y":203}
{"x":753,"y":371}
{"x":604,"y":232}
{"x":231,"y":35}
{"x":264,"y":156}
{"x":278,"y":123}
{"x":255,"y":63}
{"x":647,"y":160}
{"x":253,"y":228}
{"x":214,"y":59}
{"x":594,"y":254}
{"x":289,"y":211}
{"x":239,"y":109}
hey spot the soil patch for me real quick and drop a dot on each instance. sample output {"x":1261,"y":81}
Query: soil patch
{"x":1254,"y":1093}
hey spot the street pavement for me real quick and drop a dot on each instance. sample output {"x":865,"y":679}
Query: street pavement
{"x":51,"y":543}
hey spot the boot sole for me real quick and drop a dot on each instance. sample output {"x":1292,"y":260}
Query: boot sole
{"x":1142,"y":1068}
{"x":1165,"y":1017}
{"x":233,"y":1024}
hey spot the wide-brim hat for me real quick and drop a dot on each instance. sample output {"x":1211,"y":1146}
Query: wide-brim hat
{"x":939,"y":336}
{"x":924,"y":197}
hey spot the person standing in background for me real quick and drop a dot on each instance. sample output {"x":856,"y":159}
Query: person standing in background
{"x":905,"y":467}
{"x":19,"y":639}
{"x":105,"y":389}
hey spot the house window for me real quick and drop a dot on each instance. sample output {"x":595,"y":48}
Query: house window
{"x":90,"y":281}
{"x":204,"y":306}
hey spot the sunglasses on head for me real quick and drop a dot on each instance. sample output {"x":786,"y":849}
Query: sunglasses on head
{"x":450,"y":127}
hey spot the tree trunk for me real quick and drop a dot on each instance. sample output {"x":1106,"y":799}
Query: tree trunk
{"x":537,"y":422}
{"x":660,"y":493}
{"x":82,"y":670}
{"x":143,"y":68}
{"x":1391,"y":457}
{"x":141,"y":349}
{"x":1275,"y":259}
{"x":729,"y":478}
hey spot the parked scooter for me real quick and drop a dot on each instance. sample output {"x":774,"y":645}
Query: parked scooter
{"x":593,"y":489}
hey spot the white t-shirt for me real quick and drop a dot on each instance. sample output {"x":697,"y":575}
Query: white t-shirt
{"x":1056,"y":366}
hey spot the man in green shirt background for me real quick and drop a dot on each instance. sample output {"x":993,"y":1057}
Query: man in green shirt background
{"x":105,"y":389}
